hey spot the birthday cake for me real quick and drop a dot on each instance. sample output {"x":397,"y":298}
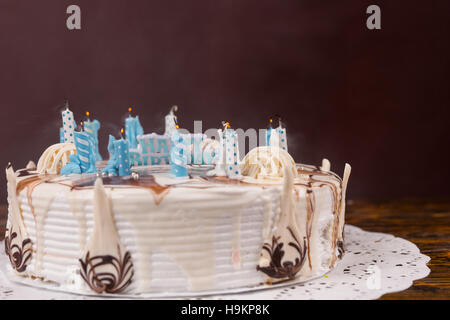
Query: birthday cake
{"x":172,"y":226}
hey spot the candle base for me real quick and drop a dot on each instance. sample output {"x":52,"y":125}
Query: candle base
{"x":178,"y":171}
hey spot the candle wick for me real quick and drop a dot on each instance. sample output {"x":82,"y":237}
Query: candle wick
{"x":173,"y":109}
{"x":224,"y":125}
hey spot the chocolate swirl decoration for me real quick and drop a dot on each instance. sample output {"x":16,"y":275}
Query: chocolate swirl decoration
{"x":286,"y":269}
{"x":110,"y":282}
{"x":19,"y":254}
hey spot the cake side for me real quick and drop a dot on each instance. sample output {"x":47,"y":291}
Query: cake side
{"x":200,"y":235}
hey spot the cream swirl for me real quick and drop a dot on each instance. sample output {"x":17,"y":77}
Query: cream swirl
{"x":267,"y":162}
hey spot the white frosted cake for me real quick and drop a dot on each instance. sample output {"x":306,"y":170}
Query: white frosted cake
{"x":152,"y":233}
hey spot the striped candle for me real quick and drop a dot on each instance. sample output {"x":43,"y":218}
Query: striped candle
{"x":92,"y":127}
{"x":85,"y":152}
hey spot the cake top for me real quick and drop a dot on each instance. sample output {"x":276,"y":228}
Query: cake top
{"x":158,"y":179}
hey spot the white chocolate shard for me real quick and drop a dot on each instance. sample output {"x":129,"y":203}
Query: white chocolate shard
{"x":284,"y":254}
{"x":345,"y":178}
{"x":18,"y":245}
{"x":106,"y":265}
{"x":347,"y":171}
{"x":30,"y":165}
{"x":14,"y":208}
{"x":326,"y":165}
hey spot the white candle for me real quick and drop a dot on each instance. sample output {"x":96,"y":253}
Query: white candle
{"x":171,"y":122}
{"x":219,"y":170}
{"x":283,"y":139}
{"x":68,"y":126}
{"x":232,"y":166}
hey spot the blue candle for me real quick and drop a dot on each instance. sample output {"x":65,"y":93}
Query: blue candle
{"x":122,"y":150}
{"x":268,"y":133}
{"x":119,"y":162}
{"x":133,"y":129}
{"x":111,"y":167}
{"x":178,"y":154}
{"x":92,"y":127}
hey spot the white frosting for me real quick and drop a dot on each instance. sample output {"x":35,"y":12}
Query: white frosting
{"x":196,"y":235}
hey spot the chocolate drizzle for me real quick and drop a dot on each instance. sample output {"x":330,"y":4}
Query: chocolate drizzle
{"x":310,"y":209}
{"x":109,"y":282}
{"x":146,"y":182}
{"x":24,"y":183}
{"x":19,"y":254}
{"x":314,"y":173}
{"x":283,"y":269}
{"x":25,"y":172}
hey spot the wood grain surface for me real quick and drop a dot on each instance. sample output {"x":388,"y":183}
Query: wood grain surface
{"x":426,"y":222}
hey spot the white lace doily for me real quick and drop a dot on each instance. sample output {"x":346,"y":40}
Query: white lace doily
{"x":374,"y":264}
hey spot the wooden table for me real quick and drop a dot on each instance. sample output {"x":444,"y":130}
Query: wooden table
{"x":423,"y":221}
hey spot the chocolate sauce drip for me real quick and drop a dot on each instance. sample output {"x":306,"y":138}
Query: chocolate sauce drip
{"x":310,"y":209}
{"x":89,"y":181}
{"x":22,"y":184}
{"x":147,"y":182}
{"x":25,"y":172}
{"x":312,"y":174}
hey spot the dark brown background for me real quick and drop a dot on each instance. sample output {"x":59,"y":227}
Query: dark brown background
{"x":376,"y":99}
